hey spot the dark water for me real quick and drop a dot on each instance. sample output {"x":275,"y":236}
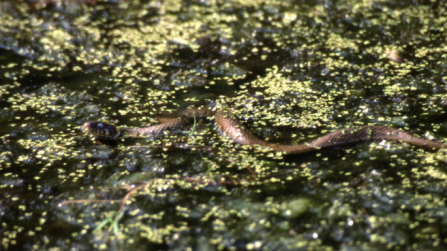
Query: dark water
{"x":291,"y":71}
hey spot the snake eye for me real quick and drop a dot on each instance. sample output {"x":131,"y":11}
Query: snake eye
{"x":100,"y":125}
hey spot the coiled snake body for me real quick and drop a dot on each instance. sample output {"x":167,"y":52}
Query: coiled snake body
{"x":231,"y":128}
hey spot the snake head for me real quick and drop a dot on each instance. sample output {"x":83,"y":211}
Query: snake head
{"x":101,"y":130}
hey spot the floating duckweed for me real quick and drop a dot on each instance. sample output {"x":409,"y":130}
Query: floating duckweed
{"x":290,"y":72}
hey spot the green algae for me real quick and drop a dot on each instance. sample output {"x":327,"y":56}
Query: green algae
{"x":290,"y":71}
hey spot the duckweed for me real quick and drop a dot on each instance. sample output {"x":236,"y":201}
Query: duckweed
{"x":289,"y":71}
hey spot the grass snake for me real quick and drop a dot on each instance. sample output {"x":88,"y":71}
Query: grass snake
{"x":232,"y":129}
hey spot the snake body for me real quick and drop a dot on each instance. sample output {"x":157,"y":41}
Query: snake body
{"x":232,"y":129}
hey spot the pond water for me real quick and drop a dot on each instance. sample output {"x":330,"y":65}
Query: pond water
{"x":290,"y":71}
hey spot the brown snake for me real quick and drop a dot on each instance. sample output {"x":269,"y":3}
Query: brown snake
{"x":231,"y":128}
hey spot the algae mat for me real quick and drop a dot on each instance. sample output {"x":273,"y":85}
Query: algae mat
{"x":291,"y":71}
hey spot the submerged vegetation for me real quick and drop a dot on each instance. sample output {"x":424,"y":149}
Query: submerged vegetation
{"x":291,"y":71}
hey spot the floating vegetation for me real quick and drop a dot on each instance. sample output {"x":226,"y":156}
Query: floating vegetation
{"x":289,"y":71}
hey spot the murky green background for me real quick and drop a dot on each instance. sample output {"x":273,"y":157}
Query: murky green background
{"x":291,"y":71}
